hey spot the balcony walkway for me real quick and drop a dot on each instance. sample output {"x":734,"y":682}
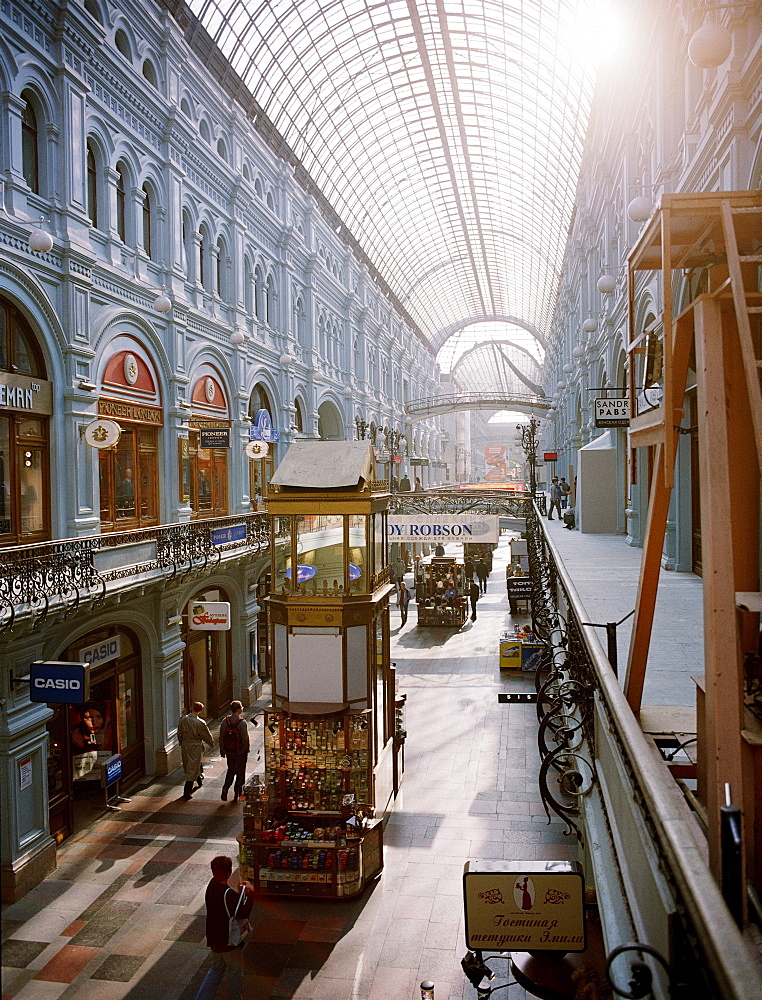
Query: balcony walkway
{"x":122,"y":918}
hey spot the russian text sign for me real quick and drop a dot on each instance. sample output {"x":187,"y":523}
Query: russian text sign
{"x":524,"y":906}
{"x":444,"y":528}
{"x":209,"y":616}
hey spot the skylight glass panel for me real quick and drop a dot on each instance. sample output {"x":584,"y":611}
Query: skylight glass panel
{"x":447,"y":134}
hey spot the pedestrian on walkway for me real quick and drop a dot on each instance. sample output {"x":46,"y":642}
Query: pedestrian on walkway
{"x":468,"y":569}
{"x":192,"y":733}
{"x":403,"y":599}
{"x":482,"y":573}
{"x":565,"y":491}
{"x":555,"y":499}
{"x":474,"y":591}
{"x":234,"y":747}
{"x":439,"y":550}
{"x":221,"y":902}
{"x":400,"y":568}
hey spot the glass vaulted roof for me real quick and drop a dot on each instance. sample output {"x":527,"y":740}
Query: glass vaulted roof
{"x":447,"y":135}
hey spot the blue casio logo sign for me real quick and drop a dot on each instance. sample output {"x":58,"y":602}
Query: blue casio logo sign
{"x":60,"y":682}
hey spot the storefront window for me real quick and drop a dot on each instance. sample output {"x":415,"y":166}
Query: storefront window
{"x":128,"y":480}
{"x":359,"y":576}
{"x":379,"y":542}
{"x":281,"y":549}
{"x":23,"y":432}
{"x":209,"y":478}
{"x":128,"y":727}
{"x":320,"y":550}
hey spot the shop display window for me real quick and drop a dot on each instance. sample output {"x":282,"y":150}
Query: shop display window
{"x":208,"y":479}
{"x":129,"y":479}
{"x":359,"y":577}
{"x":320,"y":550}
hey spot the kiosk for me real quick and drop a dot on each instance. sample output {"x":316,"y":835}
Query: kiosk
{"x":441,"y":575}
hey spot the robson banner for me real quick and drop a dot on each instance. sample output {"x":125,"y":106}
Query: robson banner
{"x":444,"y":528}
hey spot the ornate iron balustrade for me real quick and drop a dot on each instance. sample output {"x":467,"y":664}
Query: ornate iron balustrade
{"x":36,"y":578}
{"x":599,"y":772}
{"x":500,"y":502}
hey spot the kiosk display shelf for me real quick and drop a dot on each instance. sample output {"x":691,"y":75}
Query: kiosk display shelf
{"x":438,"y":576}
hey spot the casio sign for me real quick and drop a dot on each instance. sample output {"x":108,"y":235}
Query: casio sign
{"x":59,"y":681}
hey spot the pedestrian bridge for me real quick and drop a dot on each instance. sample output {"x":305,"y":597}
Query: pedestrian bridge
{"x":430,"y":406}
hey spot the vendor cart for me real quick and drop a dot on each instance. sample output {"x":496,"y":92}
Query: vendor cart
{"x":441,"y":575}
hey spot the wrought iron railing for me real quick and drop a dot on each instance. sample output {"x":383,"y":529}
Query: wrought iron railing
{"x":596,"y":762}
{"x":62,"y":574}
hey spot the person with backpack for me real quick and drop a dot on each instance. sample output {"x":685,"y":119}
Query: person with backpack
{"x":223,"y":903}
{"x":234,"y":747}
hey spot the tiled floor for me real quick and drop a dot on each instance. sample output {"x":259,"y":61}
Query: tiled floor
{"x":122,"y":916}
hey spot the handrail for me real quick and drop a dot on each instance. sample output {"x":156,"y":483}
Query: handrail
{"x":725,"y":951}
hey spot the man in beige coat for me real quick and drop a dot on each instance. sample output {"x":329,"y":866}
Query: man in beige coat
{"x":192,"y":733}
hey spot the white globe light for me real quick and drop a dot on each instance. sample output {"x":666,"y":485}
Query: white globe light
{"x":589,"y":326}
{"x":560,"y":384}
{"x":606,"y":284}
{"x":285,"y":358}
{"x":162,"y":303}
{"x":639,"y":208}
{"x":39,"y":240}
{"x":551,"y":411}
{"x":347,"y":391}
{"x":568,"y":368}
{"x":555,"y":397}
{"x":710,"y":46}
{"x":236,"y":337}
{"x":578,"y":352}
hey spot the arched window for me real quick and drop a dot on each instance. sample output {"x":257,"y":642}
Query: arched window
{"x":203,"y":130}
{"x":248,"y":287}
{"x":221,"y":150}
{"x":121,"y":204}
{"x":298,"y":417}
{"x":258,"y":188}
{"x":259,"y":293}
{"x":219,"y":265}
{"x":93,"y":10}
{"x":185,"y":107}
{"x":30,"y":146}
{"x":300,"y":325}
{"x":269,"y":300}
{"x":92,"y":187}
{"x":122,"y":43}
{"x":203,"y":252}
{"x":24,"y":479}
{"x":147,"y":225}
{"x":270,"y":201}
{"x":188,"y":245}
{"x":150,"y":73}
{"x":246,"y":172}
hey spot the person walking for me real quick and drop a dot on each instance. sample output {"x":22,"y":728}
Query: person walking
{"x":418,"y":488}
{"x":439,"y":550}
{"x":482,"y":573}
{"x":474,"y":591}
{"x":234,"y":747}
{"x":403,"y":599}
{"x":468,"y":569}
{"x":400,"y":568}
{"x":555,"y":499}
{"x":565,"y":491}
{"x":192,"y":733}
{"x":221,"y":903}
{"x":405,"y":484}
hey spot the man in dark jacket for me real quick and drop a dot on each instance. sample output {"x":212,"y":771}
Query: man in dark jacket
{"x":234,"y":746}
{"x":221,"y":902}
{"x":474,"y":590}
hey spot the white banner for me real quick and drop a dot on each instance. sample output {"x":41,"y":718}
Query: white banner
{"x":444,"y":528}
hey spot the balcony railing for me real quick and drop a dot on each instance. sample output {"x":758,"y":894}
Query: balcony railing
{"x":638,"y":835}
{"x":37,"y":579}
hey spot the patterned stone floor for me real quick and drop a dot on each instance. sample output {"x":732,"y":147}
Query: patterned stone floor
{"x":122,"y":916}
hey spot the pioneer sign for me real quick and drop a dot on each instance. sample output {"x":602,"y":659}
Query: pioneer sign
{"x":612,"y":412}
{"x":524,"y":906}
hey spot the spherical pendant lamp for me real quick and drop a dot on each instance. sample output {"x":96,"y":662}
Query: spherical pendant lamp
{"x":710,"y":46}
{"x":639,"y":208}
{"x":606,"y":284}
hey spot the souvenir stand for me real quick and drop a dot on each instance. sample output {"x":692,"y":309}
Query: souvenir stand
{"x":314,"y":826}
{"x":442,"y":573}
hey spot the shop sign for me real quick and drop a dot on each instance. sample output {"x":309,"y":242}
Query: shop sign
{"x":419,"y":461}
{"x":257,"y":449}
{"x":550,"y":456}
{"x":524,"y":906}
{"x":102,"y":433}
{"x":221,"y":536}
{"x":612,"y":412}
{"x":59,"y":682}
{"x":19,"y":392}
{"x":214,"y":437}
{"x":262,"y":428}
{"x":137,"y":413}
{"x":111,"y":770}
{"x":209,"y":616}
{"x":102,"y":652}
{"x":444,"y":527}
{"x":25,"y":773}
{"x":519,"y":587}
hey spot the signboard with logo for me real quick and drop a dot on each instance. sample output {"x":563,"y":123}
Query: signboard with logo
{"x":209,"y":616}
{"x":524,"y":906}
{"x":221,"y":536}
{"x":550,"y":456}
{"x":102,"y":652}
{"x":262,"y":428}
{"x":444,"y":527}
{"x":111,"y":770}
{"x":59,"y":682}
{"x":20,"y":392}
{"x":214,"y":437}
{"x":612,"y":412}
